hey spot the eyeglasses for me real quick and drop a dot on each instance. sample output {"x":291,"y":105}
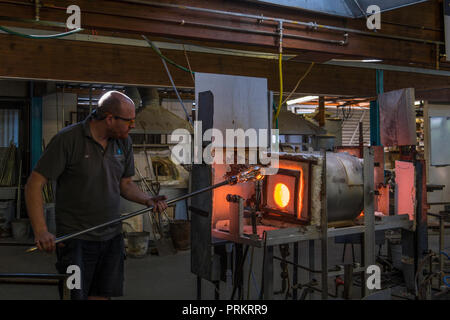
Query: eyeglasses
{"x":130,"y":121}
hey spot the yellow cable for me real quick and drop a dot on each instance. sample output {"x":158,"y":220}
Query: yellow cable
{"x":299,"y":81}
{"x":281,"y":89}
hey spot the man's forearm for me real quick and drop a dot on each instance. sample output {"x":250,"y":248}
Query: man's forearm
{"x":35,"y":207}
{"x":130,"y":191}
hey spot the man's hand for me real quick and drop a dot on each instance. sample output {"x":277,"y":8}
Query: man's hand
{"x":45,"y":241}
{"x":159,"y":204}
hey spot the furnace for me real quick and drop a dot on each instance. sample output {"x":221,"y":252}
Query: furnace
{"x":289,"y":198}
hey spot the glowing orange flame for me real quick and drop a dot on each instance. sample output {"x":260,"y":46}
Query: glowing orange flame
{"x":281,"y":195}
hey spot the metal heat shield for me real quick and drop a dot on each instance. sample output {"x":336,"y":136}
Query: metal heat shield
{"x":405,"y":188}
{"x":397,"y":118}
{"x":204,"y":262}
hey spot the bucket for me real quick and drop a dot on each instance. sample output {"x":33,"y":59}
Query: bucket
{"x":180,"y":231}
{"x":20,"y":228}
{"x":137,"y":244}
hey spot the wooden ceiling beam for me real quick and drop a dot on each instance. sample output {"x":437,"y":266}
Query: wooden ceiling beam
{"x":434,"y":95}
{"x":122,"y":16}
{"x":86,"y":62}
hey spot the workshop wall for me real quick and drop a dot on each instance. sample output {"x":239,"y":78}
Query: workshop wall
{"x":10,"y":88}
{"x":52,"y":117}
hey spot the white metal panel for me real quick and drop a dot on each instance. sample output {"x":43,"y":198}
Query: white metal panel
{"x":436,"y":175}
{"x":439,"y":138}
{"x":397,"y":118}
{"x":239,"y":102}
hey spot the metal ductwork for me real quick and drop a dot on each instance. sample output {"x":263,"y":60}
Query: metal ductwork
{"x":344,"y":8}
{"x":151,"y":118}
{"x":133,"y":94}
{"x":345,"y":186}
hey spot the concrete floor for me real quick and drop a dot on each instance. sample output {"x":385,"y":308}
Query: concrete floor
{"x":164,"y":278}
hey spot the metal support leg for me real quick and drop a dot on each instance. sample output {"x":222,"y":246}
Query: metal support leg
{"x":268,"y":273}
{"x":324,"y":269}
{"x":348,"y":281}
{"x":238,"y":269}
{"x":199,"y":288}
{"x":363,"y":273}
{"x":312,"y":258}
{"x":66,"y":292}
{"x":312,"y":262}
{"x":441,"y":249}
{"x":343,"y":252}
{"x":295,"y":271}
{"x":324,"y":225}
{"x":369,"y":213}
{"x":216,"y":290}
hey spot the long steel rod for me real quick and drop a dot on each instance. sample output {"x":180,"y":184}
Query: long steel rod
{"x":133,"y":214}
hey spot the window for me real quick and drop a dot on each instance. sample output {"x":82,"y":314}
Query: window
{"x":9,"y":127}
{"x":440,"y":136}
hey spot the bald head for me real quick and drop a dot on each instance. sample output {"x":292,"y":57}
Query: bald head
{"x":114,"y":117}
{"x":114,"y":102}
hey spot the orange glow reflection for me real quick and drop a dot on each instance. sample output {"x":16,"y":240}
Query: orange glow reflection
{"x":281,"y":195}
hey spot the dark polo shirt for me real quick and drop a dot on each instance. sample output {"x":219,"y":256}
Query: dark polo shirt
{"x":87,"y":180}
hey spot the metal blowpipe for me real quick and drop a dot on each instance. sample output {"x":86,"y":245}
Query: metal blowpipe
{"x":254,"y":173}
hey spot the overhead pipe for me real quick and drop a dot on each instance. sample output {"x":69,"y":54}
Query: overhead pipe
{"x":268,"y":33}
{"x":312,"y":25}
{"x":260,"y":18}
{"x":183,"y":22}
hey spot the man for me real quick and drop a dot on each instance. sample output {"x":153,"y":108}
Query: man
{"x":92,"y":163}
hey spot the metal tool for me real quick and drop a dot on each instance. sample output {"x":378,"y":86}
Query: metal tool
{"x":252,"y":174}
{"x":164,"y":244}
